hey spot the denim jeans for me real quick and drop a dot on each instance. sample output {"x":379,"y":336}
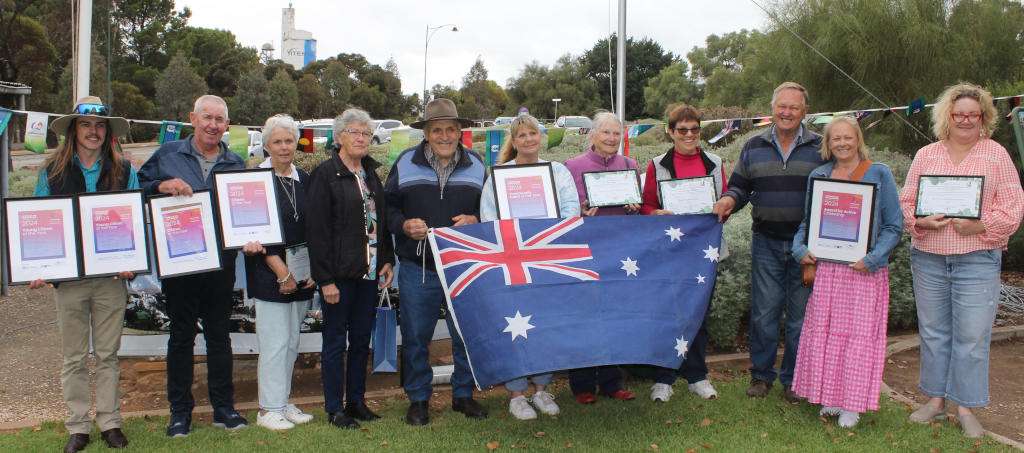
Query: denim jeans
{"x":351,"y":320}
{"x":606,"y":379}
{"x":419,"y":305}
{"x":776,"y":287}
{"x":520,"y":384}
{"x":956,"y":299}
{"x":277,"y":332}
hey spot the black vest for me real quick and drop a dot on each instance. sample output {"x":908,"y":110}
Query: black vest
{"x":72,"y":180}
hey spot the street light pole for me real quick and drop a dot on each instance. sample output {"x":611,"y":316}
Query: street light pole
{"x":556,"y":100}
{"x":429,"y":33}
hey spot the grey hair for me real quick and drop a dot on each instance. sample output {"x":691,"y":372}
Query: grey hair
{"x":791,"y":86}
{"x":210,"y":98}
{"x":280,"y":121}
{"x":600,"y":119}
{"x":349,"y":117}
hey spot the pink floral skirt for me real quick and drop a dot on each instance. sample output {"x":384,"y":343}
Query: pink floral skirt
{"x":842,"y":345}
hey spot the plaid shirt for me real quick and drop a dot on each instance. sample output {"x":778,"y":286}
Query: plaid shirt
{"x":443,"y":171}
{"x":1002,"y":204}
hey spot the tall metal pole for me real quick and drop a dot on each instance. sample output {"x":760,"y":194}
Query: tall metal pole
{"x":84,"y":56}
{"x":429,"y":33}
{"x":620,"y":62}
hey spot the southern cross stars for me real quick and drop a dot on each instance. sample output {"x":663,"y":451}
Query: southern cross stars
{"x":630,"y":266}
{"x":674,"y":233}
{"x":711,"y":253}
{"x":700,"y":278}
{"x":518,"y":325}
{"x":681,"y":347}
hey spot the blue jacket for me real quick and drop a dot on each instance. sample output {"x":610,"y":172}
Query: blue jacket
{"x":888,"y":224}
{"x":175,"y":160}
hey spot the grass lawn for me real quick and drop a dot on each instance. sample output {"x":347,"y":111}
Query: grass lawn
{"x":686,"y":424}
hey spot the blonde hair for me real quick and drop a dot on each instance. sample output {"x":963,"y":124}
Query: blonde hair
{"x":941,"y":114}
{"x":862,"y":149}
{"x":508,"y":150}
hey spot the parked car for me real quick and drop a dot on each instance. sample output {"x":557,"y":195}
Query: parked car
{"x":580,"y":124}
{"x":503,"y":120}
{"x":382,"y":130}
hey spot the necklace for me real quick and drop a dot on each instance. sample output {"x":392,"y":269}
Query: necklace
{"x":289,"y":193}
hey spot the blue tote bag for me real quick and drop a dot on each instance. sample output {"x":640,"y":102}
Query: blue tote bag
{"x":385,"y":336}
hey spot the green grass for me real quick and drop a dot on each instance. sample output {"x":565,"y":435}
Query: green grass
{"x":731,"y":423}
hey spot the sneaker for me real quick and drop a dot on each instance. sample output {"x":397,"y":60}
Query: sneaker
{"x":829,"y":411}
{"x":295,"y":415}
{"x":521,"y":409}
{"x":848,"y":419}
{"x":704,"y":389}
{"x":545,"y":402}
{"x":661,"y":392}
{"x":180,"y":425}
{"x":228,"y":418}
{"x":274,"y":421}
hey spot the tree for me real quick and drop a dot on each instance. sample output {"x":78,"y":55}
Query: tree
{"x":129,"y":102}
{"x":311,"y":97}
{"x":644,"y":59}
{"x":337,"y":86}
{"x":720,"y":52}
{"x":64,"y":100}
{"x":26,"y":54}
{"x":283,"y":94}
{"x":217,"y":54}
{"x":143,"y":27}
{"x":480,"y":98}
{"x":251,"y":104}
{"x":536,"y":85}
{"x":177,"y":89}
{"x":670,"y":86}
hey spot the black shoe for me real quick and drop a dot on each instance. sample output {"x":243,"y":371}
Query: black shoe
{"x":469,"y":407}
{"x":341,"y":420}
{"x":790,"y":396}
{"x":76,"y":442}
{"x":228,"y":418}
{"x":359,"y":411}
{"x":114,"y":438}
{"x":418,"y":413}
{"x":758,"y":388}
{"x":180,"y":426}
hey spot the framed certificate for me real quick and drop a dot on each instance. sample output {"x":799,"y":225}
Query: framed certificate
{"x":113,"y":233}
{"x":688,"y":195}
{"x":184,"y":234}
{"x":296,"y":258}
{"x":42,"y":239}
{"x":247,"y":207}
{"x":612,"y":188}
{"x":525,"y":191}
{"x":839,"y":222}
{"x":954,"y":196}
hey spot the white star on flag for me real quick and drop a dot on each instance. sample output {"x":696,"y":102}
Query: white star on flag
{"x":711,"y":253}
{"x":681,"y":347}
{"x":518,"y":325}
{"x":700,"y":278}
{"x":674,"y":233}
{"x":629,"y":265}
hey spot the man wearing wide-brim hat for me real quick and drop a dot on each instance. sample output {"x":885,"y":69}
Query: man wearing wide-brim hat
{"x":89,"y":160}
{"x":434,"y":184}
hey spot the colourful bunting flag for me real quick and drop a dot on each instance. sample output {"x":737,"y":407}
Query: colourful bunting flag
{"x":169,"y":131}
{"x":861,"y":115}
{"x":306,"y":144}
{"x":5,"y":117}
{"x":729,"y":128}
{"x":467,"y":139}
{"x":915,"y":106}
{"x":399,"y":142}
{"x":885,"y":114}
{"x":238,"y":141}
{"x":495,"y":138}
{"x":1014,"y":101}
{"x":763,"y":121}
{"x":35,"y":131}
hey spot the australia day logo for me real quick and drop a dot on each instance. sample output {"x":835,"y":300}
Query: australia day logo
{"x":36,"y":126}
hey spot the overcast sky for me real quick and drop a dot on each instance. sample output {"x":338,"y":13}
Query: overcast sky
{"x":507,"y":35}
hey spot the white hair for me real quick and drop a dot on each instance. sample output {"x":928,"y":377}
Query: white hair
{"x":602,"y":118}
{"x":348,"y":118}
{"x":280,"y":121}
{"x":206,"y":98}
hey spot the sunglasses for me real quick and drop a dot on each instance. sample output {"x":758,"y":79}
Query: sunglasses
{"x":92,"y":109}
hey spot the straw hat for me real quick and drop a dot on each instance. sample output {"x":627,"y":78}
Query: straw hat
{"x":116,"y":124}
{"x":441,"y":109}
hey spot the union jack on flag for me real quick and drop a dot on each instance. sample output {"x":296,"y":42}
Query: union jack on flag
{"x":514,"y":256}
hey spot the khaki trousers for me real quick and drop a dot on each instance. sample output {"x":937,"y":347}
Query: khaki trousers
{"x":97,"y":304}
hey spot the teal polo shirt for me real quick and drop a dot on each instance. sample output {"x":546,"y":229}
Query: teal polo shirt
{"x":92,"y":175}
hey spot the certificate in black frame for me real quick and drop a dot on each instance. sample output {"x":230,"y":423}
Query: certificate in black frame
{"x":979,"y":202}
{"x":840,"y":243}
{"x":215,"y":252}
{"x":75,"y":248}
{"x":538,"y":169}
{"x":589,"y":176}
{"x":140,"y":223}
{"x":274,"y":225}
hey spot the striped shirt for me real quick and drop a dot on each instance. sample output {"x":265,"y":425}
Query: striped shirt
{"x":1002,"y":203}
{"x":443,"y":171}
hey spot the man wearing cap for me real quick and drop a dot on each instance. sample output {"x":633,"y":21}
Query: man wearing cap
{"x":89,"y":160}
{"x":434,"y":184}
{"x":178,"y":168}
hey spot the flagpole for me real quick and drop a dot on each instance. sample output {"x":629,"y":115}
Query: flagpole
{"x":620,"y":68}
{"x":84,"y":54}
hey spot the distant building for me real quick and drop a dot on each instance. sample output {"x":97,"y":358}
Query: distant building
{"x":298,"y":48}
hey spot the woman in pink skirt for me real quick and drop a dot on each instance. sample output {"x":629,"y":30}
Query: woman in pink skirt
{"x":842,"y":344}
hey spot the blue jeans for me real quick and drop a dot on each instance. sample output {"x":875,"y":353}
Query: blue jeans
{"x":956,"y":299}
{"x":419,"y":306}
{"x":350,"y":319}
{"x":775,"y":287}
{"x":520,"y":384}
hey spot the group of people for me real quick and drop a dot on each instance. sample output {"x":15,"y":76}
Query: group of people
{"x":358,"y":228}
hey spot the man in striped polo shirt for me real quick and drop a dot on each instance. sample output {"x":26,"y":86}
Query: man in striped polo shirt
{"x":771,"y":174}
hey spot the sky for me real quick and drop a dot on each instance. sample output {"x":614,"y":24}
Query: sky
{"x":506,"y":35}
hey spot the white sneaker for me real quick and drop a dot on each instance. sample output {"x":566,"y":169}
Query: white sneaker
{"x":274,"y":421}
{"x":521,"y":409}
{"x":296,"y":416}
{"x":848,"y":419}
{"x":545,"y":402}
{"x":704,"y":389}
{"x":661,"y":392}
{"x":829,"y":411}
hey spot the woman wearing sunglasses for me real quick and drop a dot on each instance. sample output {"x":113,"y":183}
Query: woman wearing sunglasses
{"x":685,"y":160}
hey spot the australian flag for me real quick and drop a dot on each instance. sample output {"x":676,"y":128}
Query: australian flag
{"x":531,"y":296}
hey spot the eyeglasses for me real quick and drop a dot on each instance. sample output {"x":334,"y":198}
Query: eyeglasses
{"x":962,"y":117}
{"x":92,"y":109}
{"x":686,"y":130}
{"x":365,"y":134}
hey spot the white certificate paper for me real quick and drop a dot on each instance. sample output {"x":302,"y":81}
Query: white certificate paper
{"x":185,"y":234}
{"x":41,"y":239}
{"x":297,"y":260}
{"x":953,"y":196}
{"x":688,"y":195}
{"x":612,"y":188}
{"x":113,"y":233}
{"x":247,"y":202}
